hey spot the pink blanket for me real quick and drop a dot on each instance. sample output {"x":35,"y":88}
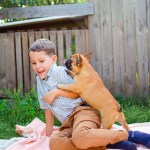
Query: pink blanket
{"x":36,"y":138}
{"x":35,"y":134}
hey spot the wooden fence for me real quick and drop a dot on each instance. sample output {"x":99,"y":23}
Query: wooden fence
{"x":15,"y":67}
{"x":118,"y":33}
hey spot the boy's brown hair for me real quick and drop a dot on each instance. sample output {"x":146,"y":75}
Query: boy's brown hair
{"x":43,"y":45}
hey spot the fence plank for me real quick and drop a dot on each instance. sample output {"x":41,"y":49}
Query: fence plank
{"x":95,"y":44}
{"x":80,"y":38}
{"x":87,"y":43}
{"x":6,"y":57}
{"x":53,"y":39}
{"x":129,"y":44}
{"x":26,"y":68}
{"x":142,"y":47}
{"x":31,"y":37}
{"x":118,"y":47}
{"x":83,"y":39}
{"x":45,"y":34}
{"x":68,"y":39}
{"x":50,"y":10}
{"x":4,"y":13}
{"x":106,"y":39}
{"x":148,"y":25}
{"x":78,"y":41}
{"x":19,"y":63}
{"x":60,"y":44}
{"x":2,"y":62}
{"x":38,"y":35}
{"x":10,"y":61}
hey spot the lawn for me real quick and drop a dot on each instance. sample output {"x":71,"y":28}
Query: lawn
{"x":21,"y":109}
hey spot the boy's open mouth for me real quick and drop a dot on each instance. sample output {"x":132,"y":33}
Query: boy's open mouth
{"x":40,"y":72}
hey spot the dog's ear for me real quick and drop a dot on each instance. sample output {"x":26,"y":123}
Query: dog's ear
{"x":78,"y":60}
{"x":88,"y":55}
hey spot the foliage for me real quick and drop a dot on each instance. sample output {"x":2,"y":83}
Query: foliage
{"x":21,"y":109}
{"x":18,"y":108}
{"x":136,"y":109}
{"x":26,"y":3}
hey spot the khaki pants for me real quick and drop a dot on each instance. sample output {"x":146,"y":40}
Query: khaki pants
{"x":82,"y":130}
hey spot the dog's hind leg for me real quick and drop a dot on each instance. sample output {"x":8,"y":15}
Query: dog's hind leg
{"x":121,"y":119}
{"x":107,"y":121}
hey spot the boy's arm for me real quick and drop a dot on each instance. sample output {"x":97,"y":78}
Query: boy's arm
{"x":50,"y":96}
{"x":49,"y":117}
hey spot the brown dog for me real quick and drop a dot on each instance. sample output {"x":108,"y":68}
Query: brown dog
{"x":90,"y":87}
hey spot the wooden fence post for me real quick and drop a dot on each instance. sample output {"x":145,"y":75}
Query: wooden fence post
{"x":100,"y":36}
{"x":94,"y":37}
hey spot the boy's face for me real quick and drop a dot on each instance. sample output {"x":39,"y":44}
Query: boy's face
{"x":41,"y":62}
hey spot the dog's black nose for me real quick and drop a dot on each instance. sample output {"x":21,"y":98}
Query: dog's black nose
{"x":68,"y":64}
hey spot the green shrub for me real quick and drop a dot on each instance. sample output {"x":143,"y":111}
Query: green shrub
{"x":19,"y":108}
{"x":136,"y":109}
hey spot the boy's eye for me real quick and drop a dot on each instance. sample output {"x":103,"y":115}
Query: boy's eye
{"x":42,"y":61}
{"x":33,"y":63}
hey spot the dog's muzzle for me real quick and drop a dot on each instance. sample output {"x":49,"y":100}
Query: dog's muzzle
{"x":68,"y":64}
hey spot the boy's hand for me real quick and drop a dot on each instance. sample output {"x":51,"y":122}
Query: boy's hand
{"x":50,"y":96}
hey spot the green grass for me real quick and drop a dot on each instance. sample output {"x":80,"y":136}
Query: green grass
{"x":136,"y":109}
{"x":21,"y":109}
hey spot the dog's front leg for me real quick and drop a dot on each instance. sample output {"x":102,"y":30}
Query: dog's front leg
{"x":67,"y":87}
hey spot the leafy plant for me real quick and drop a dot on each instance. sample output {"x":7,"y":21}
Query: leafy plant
{"x":20,"y":108}
{"x":136,"y":109}
{"x":26,"y":3}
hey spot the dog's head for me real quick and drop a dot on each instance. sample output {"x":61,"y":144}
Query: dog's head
{"x":76,"y":61}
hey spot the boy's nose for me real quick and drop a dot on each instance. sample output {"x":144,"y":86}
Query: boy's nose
{"x":37,"y":65}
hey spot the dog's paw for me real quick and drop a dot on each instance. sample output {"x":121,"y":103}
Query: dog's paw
{"x":70,"y":73}
{"x":67,"y":71}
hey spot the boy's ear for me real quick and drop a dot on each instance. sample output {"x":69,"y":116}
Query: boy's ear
{"x":54,"y":58}
{"x":88,"y":55}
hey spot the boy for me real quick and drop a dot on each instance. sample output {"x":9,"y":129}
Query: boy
{"x":80,"y":123}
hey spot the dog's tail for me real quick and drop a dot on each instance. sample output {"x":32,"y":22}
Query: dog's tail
{"x":122,"y":121}
{"x":121,"y":118}
{"x":119,"y":108}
